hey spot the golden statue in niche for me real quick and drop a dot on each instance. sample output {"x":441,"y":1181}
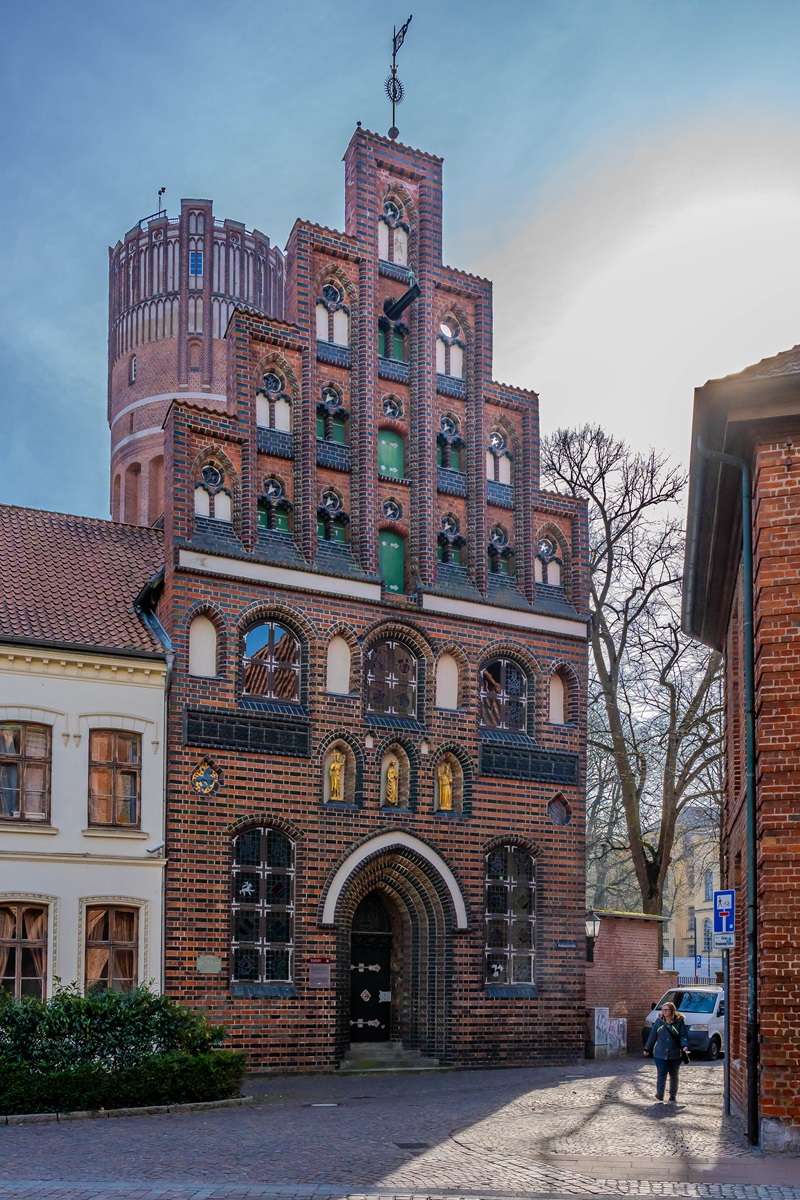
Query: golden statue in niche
{"x":445,"y":775}
{"x":336,"y":776}
{"x":392,"y":781}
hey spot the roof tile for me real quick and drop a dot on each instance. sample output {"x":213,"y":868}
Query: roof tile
{"x":74,"y":579}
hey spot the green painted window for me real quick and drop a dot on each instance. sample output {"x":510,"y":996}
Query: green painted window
{"x":398,"y":346}
{"x":391,"y":556}
{"x":455,"y":556}
{"x":439,"y":454}
{"x":390,"y":454}
{"x":338,"y":532}
{"x":455,"y":459}
{"x":320,"y":529}
{"x":382,"y":342}
{"x":263,"y":515}
{"x":321,"y":425}
{"x":339,"y":429}
{"x":282,"y":520}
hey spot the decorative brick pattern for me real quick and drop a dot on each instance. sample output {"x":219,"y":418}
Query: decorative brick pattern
{"x":272,"y":761}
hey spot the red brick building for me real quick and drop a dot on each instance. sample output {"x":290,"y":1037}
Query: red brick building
{"x":624,"y":974}
{"x":755,"y":416}
{"x":376,"y":808}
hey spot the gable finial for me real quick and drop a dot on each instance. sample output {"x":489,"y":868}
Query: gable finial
{"x":394,"y":87}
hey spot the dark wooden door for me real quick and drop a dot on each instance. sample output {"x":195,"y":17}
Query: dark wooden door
{"x":370,"y":987}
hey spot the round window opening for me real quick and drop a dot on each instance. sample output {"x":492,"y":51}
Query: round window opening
{"x":547,"y":548}
{"x":391,"y":210}
{"x":392,"y":407}
{"x":272,"y":382}
{"x":332,"y":295}
{"x":449,"y":327}
{"x":212,"y":476}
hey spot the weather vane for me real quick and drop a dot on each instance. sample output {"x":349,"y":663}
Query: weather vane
{"x":394,"y":88}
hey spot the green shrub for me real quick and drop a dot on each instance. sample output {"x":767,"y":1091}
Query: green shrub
{"x":172,"y":1078}
{"x":109,"y":1050}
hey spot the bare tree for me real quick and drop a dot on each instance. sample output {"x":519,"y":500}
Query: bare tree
{"x":660,"y":692}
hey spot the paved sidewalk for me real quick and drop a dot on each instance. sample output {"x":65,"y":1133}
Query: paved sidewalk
{"x":590,"y":1130}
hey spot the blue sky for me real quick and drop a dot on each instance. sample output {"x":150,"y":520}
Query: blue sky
{"x":627,"y":173}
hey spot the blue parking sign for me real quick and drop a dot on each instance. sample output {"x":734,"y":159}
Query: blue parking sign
{"x":725,"y":911}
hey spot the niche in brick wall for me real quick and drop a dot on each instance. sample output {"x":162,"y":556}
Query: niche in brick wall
{"x":339,"y":770}
{"x":395,"y":778}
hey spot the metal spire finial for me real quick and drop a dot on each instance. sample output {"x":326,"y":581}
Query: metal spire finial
{"x":394,"y":88}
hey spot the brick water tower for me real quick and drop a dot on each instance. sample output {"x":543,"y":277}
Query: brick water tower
{"x":173,"y":284}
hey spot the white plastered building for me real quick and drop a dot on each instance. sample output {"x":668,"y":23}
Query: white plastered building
{"x":83,"y":674}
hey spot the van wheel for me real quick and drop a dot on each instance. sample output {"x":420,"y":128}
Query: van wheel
{"x":713,"y":1051}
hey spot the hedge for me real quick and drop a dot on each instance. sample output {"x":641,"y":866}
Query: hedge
{"x":109,"y":1050}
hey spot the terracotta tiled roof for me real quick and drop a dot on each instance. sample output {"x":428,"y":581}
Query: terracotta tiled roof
{"x":785,"y":363}
{"x":74,"y":579}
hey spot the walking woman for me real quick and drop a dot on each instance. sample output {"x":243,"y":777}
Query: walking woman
{"x":669,"y":1045}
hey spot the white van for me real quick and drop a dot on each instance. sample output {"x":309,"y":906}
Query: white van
{"x":703,"y":1010}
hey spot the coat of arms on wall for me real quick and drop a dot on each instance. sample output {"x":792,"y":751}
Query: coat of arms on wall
{"x":205,"y":778}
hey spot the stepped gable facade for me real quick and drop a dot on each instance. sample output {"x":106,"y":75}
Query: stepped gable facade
{"x":376,"y":745}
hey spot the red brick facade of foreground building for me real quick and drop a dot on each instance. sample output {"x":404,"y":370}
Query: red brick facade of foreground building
{"x":624,"y":975}
{"x":376,"y":808}
{"x":756,"y":416}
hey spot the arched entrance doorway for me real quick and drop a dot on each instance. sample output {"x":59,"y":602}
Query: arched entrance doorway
{"x":371,"y":972}
{"x":412,"y":904}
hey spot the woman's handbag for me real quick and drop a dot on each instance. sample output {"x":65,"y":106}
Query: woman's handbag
{"x":684,"y":1055}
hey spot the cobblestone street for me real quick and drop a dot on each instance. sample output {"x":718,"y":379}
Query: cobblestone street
{"x":589,"y":1130}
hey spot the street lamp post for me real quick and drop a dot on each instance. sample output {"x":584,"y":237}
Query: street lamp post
{"x":592,"y":933}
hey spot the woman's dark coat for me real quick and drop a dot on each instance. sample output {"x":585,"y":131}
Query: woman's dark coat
{"x":664,"y":1044}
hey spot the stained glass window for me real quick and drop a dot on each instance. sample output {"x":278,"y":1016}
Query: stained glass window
{"x":24,"y":771}
{"x":504,"y":696}
{"x":263,"y":906}
{"x":115,"y":764}
{"x":391,"y":680}
{"x":272,"y":663}
{"x":510,"y":916}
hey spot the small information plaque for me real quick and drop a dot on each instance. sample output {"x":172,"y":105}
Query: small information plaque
{"x":319,"y":973}
{"x":209,"y":964}
{"x":562,"y":945}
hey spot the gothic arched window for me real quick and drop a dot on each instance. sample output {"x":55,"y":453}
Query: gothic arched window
{"x":332,"y":416}
{"x":449,"y":348}
{"x":273,"y":403}
{"x":547,"y":564}
{"x":274,"y":510}
{"x":211,"y":497}
{"x":501,"y":554}
{"x":333,"y":316}
{"x":333,"y":522}
{"x":392,"y":234}
{"x":450,"y":446}
{"x":271,"y":663}
{"x":504,"y":696}
{"x":391,"y":673}
{"x":262,"y":906}
{"x":510,"y":915}
{"x":498,"y":458}
{"x":451,"y":543}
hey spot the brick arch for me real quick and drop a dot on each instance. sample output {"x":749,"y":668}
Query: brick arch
{"x":513,"y":839}
{"x":343,"y":630}
{"x":399,"y":737}
{"x":566,"y":670}
{"x":276,"y":359}
{"x":524,"y":659}
{"x":204,"y":609}
{"x":297,"y":623}
{"x":461,"y":315}
{"x":332,"y":272}
{"x":395,"y":189}
{"x":418,"y":642}
{"x":357,"y":751}
{"x":551,"y":530}
{"x":457,"y":751}
{"x":426,"y":907}
{"x":260,"y":819}
{"x":215,"y":453}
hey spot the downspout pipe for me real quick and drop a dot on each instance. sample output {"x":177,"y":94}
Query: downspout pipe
{"x":750,"y":766}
